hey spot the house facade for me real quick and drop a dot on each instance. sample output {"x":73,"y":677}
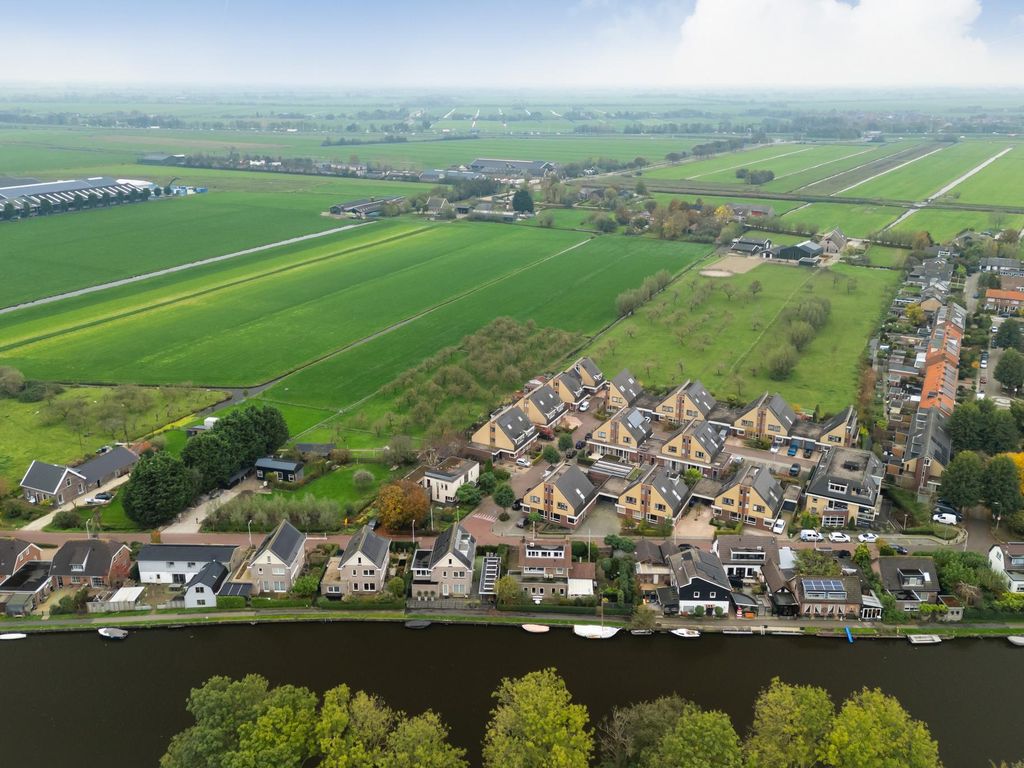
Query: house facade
{"x":569,"y":388}
{"x":507,"y":435}
{"x":286,"y":470}
{"x":443,"y":481}
{"x":543,"y":407}
{"x":589,"y":374}
{"x":912,"y":581}
{"x":685,"y":403}
{"x":361,"y":570}
{"x":564,"y":497}
{"x":14,"y":553}
{"x":279,"y":559}
{"x":845,"y":486}
{"x":695,"y":445}
{"x":178,"y":563}
{"x":90,"y":563}
{"x":623,"y":435}
{"x":767,"y":418}
{"x":752,"y":496}
{"x":201,"y":590}
{"x":700,"y":581}
{"x":1008,"y":561}
{"x":745,"y":557}
{"x":52,"y":483}
{"x":446,"y":569}
{"x":623,"y":390}
{"x":654,"y":498}
{"x":542,"y":570}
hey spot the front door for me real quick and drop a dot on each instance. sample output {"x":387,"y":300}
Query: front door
{"x":444,"y":589}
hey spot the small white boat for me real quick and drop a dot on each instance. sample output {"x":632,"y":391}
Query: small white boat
{"x":737,"y":631}
{"x":689,"y":634}
{"x":924,"y":639}
{"x":1017,"y":640}
{"x":112,"y":633}
{"x":641,"y":632}
{"x":594,"y":631}
{"x":536,"y":629}
{"x":13,"y":636}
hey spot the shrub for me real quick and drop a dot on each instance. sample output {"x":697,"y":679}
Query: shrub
{"x":503,"y":516}
{"x":67,"y":518}
{"x":307,"y":585}
{"x":698,"y":611}
{"x":362,"y":479}
{"x":230,"y":602}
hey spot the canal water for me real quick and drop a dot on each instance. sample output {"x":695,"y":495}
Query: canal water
{"x":74,"y":699}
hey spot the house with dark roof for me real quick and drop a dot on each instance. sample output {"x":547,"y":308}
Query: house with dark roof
{"x":654,"y":498}
{"x":286,"y":470}
{"x":695,"y":445}
{"x":623,"y":390}
{"x":26,"y":588}
{"x":491,"y":166}
{"x":807,"y":249}
{"x":279,"y":559}
{"x":769,"y":417}
{"x":542,"y":569}
{"x":438,"y":206}
{"x":749,"y":246}
{"x":840,"y":429}
{"x":90,"y":563}
{"x":589,"y":374}
{"x":1008,"y":561}
{"x":687,"y":401}
{"x":700,"y":581}
{"x":652,"y":568}
{"x":14,"y":553}
{"x":928,"y":451}
{"x":102,"y":469}
{"x":507,"y":434}
{"x":201,"y":590}
{"x":569,"y":388}
{"x":446,"y":569}
{"x":365,"y":208}
{"x":362,"y":569}
{"x":834,"y":241}
{"x":623,"y":435}
{"x":752,"y":496}
{"x":1003,"y":266}
{"x":563,"y":497}
{"x":178,"y":563}
{"x":52,"y":482}
{"x":828,"y":598}
{"x":543,"y":407}
{"x":913,"y":581}
{"x":744,"y":555}
{"x":778,"y":583}
{"x":845,"y":486}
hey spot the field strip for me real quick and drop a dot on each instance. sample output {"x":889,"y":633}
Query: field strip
{"x":213,"y":289}
{"x":755,"y":162}
{"x":854,"y":169}
{"x":890,"y":170}
{"x":827,"y":162}
{"x":902,"y":217}
{"x":970,"y":173}
{"x":178,"y":268}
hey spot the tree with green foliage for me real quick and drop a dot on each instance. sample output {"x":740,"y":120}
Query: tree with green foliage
{"x":282,"y":733}
{"x":212,"y":456}
{"x":550,"y":454}
{"x":699,"y":739}
{"x":781,"y":362}
{"x":1008,"y":336}
{"x":535,"y":722}
{"x":620,"y":543}
{"x":790,"y":721}
{"x":396,"y":587}
{"x":691,"y":477}
{"x":306,"y":585}
{"x":422,"y":741}
{"x":1001,"y":486}
{"x":487,"y":482}
{"x":980,"y":426}
{"x":522,"y":201}
{"x":504,"y":496}
{"x":469,"y":496}
{"x":873,"y":730}
{"x":1010,"y":370}
{"x":159,"y":487}
{"x":352,"y":728}
{"x":862,"y":557}
{"x":962,"y":480}
{"x":629,"y":733}
{"x":811,"y":562}
{"x":565,"y":441}
{"x":643,"y":617}
{"x":508,"y":592}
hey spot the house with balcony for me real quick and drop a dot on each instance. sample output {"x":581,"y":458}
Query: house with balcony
{"x":361,"y":570}
{"x":446,"y":569}
{"x":444,"y":480}
{"x":1008,"y":561}
{"x":624,"y":390}
{"x":912,"y":581}
{"x":685,"y":403}
{"x":752,"y":496}
{"x":623,"y":435}
{"x":655,"y":498}
{"x":695,"y":445}
{"x":845,"y":486}
{"x":563,"y":497}
{"x":542,"y":569}
{"x":589,"y":374}
{"x":543,"y":407}
{"x":569,"y":388}
{"x":745,"y":556}
{"x":769,"y":417}
{"x":507,"y":435}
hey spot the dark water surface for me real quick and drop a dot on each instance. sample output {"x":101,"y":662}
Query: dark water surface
{"x":76,"y":700}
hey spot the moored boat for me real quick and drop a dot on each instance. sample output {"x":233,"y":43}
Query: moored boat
{"x":417,"y":624}
{"x":641,"y":632}
{"x":594,"y":631}
{"x":924,"y":639}
{"x":112,"y":633}
{"x":1017,"y":640}
{"x":689,"y":634}
{"x":536,"y":629}
{"x":13,"y":636}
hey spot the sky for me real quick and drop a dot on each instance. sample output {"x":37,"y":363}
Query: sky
{"x":526,"y":44}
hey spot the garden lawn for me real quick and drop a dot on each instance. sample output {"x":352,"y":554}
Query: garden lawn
{"x":248,"y":332}
{"x":944,"y":225}
{"x":26,"y":433}
{"x":854,"y":220}
{"x":340,"y":486}
{"x":884,"y":256}
{"x":723,"y":341}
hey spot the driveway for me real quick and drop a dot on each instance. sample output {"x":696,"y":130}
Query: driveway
{"x":41,"y":522}
{"x":191,"y":520}
{"x":970,"y":288}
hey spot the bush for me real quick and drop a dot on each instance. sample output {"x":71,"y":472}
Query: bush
{"x":307,"y":514}
{"x":698,"y":611}
{"x":273,"y":602}
{"x":306,"y":586}
{"x":504,"y":517}
{"x":67,"y":518}
{"x":230,"y":602}
{"x":362,"y":479}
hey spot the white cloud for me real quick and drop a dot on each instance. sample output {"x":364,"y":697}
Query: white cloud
{"x":817,"y":43}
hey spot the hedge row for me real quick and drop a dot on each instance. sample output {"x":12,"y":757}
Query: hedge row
{"x":270,"y":602}
{"x":360,"y":605}
{"x":577,"y":609}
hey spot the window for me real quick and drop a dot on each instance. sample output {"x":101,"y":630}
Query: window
{"x":711,"y":595}
{"x":67,"y":483}
{"x":602,"y":435}
{"x":535,"y":499}
{"x":76,"y":579}
{"x":696,"y":595}
{"x":334,"y":589}
{"x":699,"y":454}
{"x":191,"y":565}
{"x":673,"y":449}
{"x":355,"y":586}
{"x":368,"y":572}
{"x":727,"y":501}
{"x":691,"y":413}
{"x":369,"y":587}
{"x":279,"y":571}
{"x":200,"y":590}
{"x":631,"y":499}
{"x":773,"y":428}
{"x":563,"y":506}
{"x":660,"y":507}
{"x":200,"y":602}
{"x":625,"y":439}
{"x":747,"y":423}
{"x":668,"y":409}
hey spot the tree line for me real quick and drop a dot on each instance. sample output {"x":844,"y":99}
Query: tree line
{"x":535,"y":723}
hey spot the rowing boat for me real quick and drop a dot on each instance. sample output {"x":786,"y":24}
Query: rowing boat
{"x":13,"y":636}
{"x":536,"y":629}
{"x":112,"y":633}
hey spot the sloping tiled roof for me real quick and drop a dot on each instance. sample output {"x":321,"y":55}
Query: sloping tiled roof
{"x":574,"y":485}
{"x":514,"y":424}
{"x":45,"y":477}
{"x":118,"y":458}
{"x":211,"y":575}
{"x":627,"y":385}
{"x":94,"y":554}
{"x":10,"y":549}
{"x":368,"y":543}
{"x":455,"y":541}
{"x":285,"y":542}
{"x":696,"y":563}
{"x":186,"y":553}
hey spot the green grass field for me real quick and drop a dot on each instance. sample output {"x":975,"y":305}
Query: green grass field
{"x":781,"y":206}
{"x":723,"y":340}
{"x":943,"y":225}
{"x":999,"y":183}
{"x":883,"y":256}
{"x":854,"y":220}
{"x":340,"y":486}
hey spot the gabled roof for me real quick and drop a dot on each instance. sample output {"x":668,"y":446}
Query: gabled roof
{"x":373,"y":547}
{"x":46,"y":478}
{"x":116,"y":459}
{"x":574,"y":485}
{"x":95,"y":555}
{"x":777,"y":405}
{"x":273,"y":464}
{"x":186,"y":553}
{"x":760,"y":479}
{"x":627,"y":385}
{"x":839,"y":419}
{"x":547,"y":401}
{"x":590,"y":367}
{"x":700,"y":397}
{"x":211,"y":575}
{"x":455,"y":541}
{"x":673,"y":490}
{"x":634,"y":422}
{"x":285,"y":542}
{"x":727,"y":544}
{"x":10,"y":550}
{"x":513,"y":422}
{"x":929,"y":437}
{"x":709,"y":438}
{"x":571,"y":382}
{"x":890,"y":568}
{"x":696,"y":563}
{"x":649,"y":552}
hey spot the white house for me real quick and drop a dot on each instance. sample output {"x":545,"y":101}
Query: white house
{"x":178,"y":563}
{"x":201,"y":590}
{"x":700,"y":581}
{"x":443,"y":481}
{"x":1008,"y":560}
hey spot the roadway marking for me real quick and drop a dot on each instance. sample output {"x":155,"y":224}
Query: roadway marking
{"x":890,"y":170}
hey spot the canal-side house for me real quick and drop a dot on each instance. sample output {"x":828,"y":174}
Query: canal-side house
{"x":700,"y":581}
{"x":201,"y":590}
{"x":279,"y":559}
{"x":90,"y":563}
{"x":14,"y":553}
{"x":362,"y":569}
{"x":828,"y":598}
{"x":845,"y":486}
{"x":1008,"y":561}
{"x":745,"y":556}
{"x":655,"y":497}
{"x":563,"y":497}
{"x":446,"y":569}
{"x":912,"y":581}
{"x":652,"y":568}
{"x":542,"y":569}
{"x":778,"y":583}
{"x":506,"y":435}
{"x":178,"y":563}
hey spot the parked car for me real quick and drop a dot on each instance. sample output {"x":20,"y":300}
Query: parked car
{"x":809,"y":534}
{"x":838,"y":537}
{"x":521,"y":522}
{"x":545,"y":433}
{"x":779,"y":526}
{"x":868,"y":538}
{"x":95,"y":500}
{"x":580,"y":444}
{"x":104,"y":496}
{"x":946,"y":507}
{"x":792,"y":450}
{"x":774,"y":448}
{"x":944,"y":518}
{"x":104,"y":449}
{"x":899,"y":549}
{"x":984,"y":380}
{"x":521,"y":462}
{"x":794,"y":470}
{"x":571,"y":453}
{"x":517,"y":504}
{"x":808,"y":452}
{"x":584,"y":406}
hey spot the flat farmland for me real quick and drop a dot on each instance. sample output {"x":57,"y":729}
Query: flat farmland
{"x":884,"y":256}
{"x":250,"y":331}
{"x":729,"y":162}
{"x":837,"y":181}
{"x":854,"y":220}
{"x":943,"y":225}
{"x":723,"y":340}
{"x":1001,"y":183}
{"x":597,"y":272}
{"x":780,"y":206}
{"x":790,"y":167}
{"x":927,"y":176}
{"x":860,"y":156}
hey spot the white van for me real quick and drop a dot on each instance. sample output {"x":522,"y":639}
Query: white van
{"x":809,"y":534}
{"x":944,"y":518}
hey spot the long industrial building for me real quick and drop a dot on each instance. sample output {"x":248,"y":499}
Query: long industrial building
{"x":64,"y":193}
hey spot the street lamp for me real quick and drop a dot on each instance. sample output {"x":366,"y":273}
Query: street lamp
{"x":248,"y":527}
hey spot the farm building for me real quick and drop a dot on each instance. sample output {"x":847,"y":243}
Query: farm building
{"x":806,"y":252}
{"x":287,"y":470}
{"x":366,"y":207}
{"x":496,"y":167}
{"x":161,"y":159}
{"x":750,"y":246}
{"x":60,"y":195}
